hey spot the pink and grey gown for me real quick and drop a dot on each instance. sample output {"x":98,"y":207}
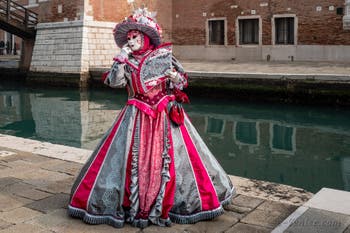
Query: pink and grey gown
{"x":146,"y":169}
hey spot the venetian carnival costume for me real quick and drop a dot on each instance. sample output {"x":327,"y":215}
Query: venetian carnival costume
{"x":151,"y":166}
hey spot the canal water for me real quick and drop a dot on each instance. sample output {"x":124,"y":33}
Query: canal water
{"x":303,"y":146}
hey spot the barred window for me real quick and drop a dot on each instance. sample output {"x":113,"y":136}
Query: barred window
{"x":284,"y":30}
{"x":249,"y":31}
{"x":216,"y":32}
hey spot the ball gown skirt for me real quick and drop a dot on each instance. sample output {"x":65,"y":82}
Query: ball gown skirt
{"x":148,"y":170}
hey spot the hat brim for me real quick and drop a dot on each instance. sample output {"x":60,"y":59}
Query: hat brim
{"x":122,"y":29}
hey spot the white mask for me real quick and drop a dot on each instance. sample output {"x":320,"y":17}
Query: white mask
{"x":134,"y":40}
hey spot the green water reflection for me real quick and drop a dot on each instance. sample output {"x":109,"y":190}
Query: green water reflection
{"x":307,"y":147}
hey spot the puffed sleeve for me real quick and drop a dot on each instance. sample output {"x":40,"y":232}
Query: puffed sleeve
{"x":116,"y":76}
{"x":181,"y":77}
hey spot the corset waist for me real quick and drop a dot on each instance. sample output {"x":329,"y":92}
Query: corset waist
{"x":151,"y":106}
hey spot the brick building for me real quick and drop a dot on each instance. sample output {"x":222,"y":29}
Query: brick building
{"x":107,"y":11}
{"x":262,"y":29}
{"x":74,"y":36}
{"x":79,"y":31}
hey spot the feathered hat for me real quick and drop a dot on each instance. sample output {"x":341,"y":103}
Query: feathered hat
{"x":141,"y":20}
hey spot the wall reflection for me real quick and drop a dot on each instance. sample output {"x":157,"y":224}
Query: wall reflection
{"x":308,"y":149}
{"x":75,"y":122}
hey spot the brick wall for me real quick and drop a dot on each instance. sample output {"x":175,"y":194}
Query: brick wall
{"x":70,"y":10}
{"x":323,"y":27}
{"x":103,"y":10}
{"x":117,"y":10}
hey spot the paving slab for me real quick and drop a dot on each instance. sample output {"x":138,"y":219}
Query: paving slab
{"x":37,"y":159}
{"x":19,"y":215}
{"x":175,"y":228}
{"x":246,"y":201}
{"x":269,"y":214}
{"x":238,"y":209}
{"x":66,"y":167}
{"x":59,"y":221}
{"x":51,"y":203}
{"x":290,"y":219}
{"x":4,"y":181}
{"x":242,"y":227}
{"x":24,"y":190}
{"x":23,"y":227}
{"x":4,"y":224}
{"x":337,"y":201}
{"x":273,"y":206}
{"x":219,"y":224}
{"x":326,"y":211}
{"x":41,"y":177}
{"x":9,"y":202}
{"x":18,"y":163}
{"x":319,"y":221}
{"x":5,"y":153}
{"x":62,"y":186}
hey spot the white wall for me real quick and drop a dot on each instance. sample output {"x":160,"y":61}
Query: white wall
{"x":73,"y":47}
{"x":198,"y":52}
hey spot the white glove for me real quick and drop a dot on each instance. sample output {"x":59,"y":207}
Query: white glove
{"x":125,"y":51}
{"x":173,"y":75}
{"x":124,"y":54}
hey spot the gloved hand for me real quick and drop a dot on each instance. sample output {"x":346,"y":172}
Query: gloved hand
{"x":124,"y":54}
{"x":173,"y":75}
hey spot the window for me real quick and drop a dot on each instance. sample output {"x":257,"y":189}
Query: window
{"x":282,"y":139}
{"x":340,"y":11}
{"x":215,"y":126}
{"x":248,"y":31}
{"x":246,"y":132}
{"x":216,"y":32}
{"x":284,"y":30}
{"x":8,"y":101}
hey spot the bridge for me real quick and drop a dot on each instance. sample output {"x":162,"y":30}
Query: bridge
{"x":18,"y":20}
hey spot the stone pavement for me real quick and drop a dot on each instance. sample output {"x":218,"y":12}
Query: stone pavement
{"x":35,"y":187}
{"x":327,"y":211}
{"x":275,"y":67}
{"x":35,"y":184}
{"x":9,"y":61}
{"x":276,"y":70}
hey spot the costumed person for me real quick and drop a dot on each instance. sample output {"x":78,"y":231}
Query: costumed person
{"x":151,"y":167}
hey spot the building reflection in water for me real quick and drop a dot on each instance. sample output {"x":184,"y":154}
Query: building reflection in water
{"x":298,"y":155}
{"x":75,"y":122}
{"x":304,"y":149}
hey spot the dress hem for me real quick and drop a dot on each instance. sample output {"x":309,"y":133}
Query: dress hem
{"x":142,"y":223}
{"x":95,"y":219}
{"x":203,"y":215}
